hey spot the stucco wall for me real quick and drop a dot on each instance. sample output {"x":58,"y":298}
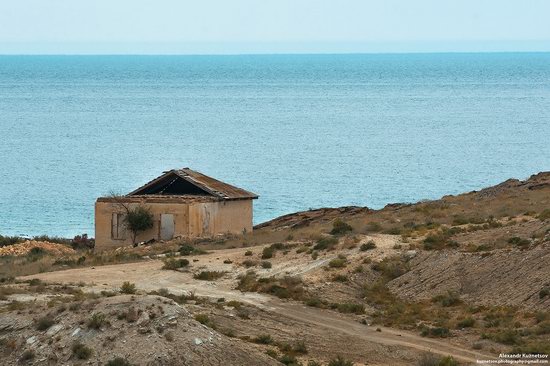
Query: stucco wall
{"x":191,"y":220}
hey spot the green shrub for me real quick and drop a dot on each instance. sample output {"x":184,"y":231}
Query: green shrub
{"x":44,"y":323}
{"x":435,"y":332}
{"x":545,"y":291}
{"x":314,"y":255}
{"x":96,"y":321}
{"x":339,"y":227}
{"x":337,"y":263}
{"x":314,"y":302}
{"x":209,"y":275}
{"x":187,"y":249}
{"x":435,"y":242}
{"x":263,"y":339}
{"x":248,"y":253}
{"x":429,"y":359}
{"x":300,"y":347}
{"x":249,"y":263}
{"x":340,"y":278}
{"x":368,"y":246}
{"x":10,"y":240}
{"x":175,"y":264}
{"x":451,"y":298}
{"x":326,"y":243}
{"x":128,"y":288}
{"x":544,"y":215}
{"x":466,"y":323}
{"x":517,"y":241}
{"x":349,"y":308}
{"x":27,"y":356}
{"x":340,"y":361}
{"x":391,"y":267}
{"x":138,"y":219}
{"x":81,"y":352}
{"x":268,"y":252}
{"x":35,"y":254}
{"x":506,"y":336}
{"x":205,"y":320}
{"x":118,"y":361}
{"x":289,"y":360}
{"x":266,"y":264}
{"x":373,"y":227}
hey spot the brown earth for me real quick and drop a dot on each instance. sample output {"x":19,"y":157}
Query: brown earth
{"x":144,"y":330}
{"x":472,"y":266}
{"x":355,"y":339}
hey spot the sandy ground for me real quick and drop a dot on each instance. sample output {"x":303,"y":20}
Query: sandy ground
{"x":148,"y":276}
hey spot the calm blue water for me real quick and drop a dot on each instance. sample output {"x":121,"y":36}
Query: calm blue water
{"x":301,"y":131}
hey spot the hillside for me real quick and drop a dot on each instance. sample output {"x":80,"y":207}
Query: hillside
{"x":448,"y":281}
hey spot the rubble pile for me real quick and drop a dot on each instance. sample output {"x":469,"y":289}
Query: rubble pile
{"x":25,"y":247}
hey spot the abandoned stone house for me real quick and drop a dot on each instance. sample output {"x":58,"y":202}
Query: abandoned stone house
{"x":184,"y":203}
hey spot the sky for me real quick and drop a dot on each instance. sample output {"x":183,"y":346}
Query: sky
{"x":271,"y":26}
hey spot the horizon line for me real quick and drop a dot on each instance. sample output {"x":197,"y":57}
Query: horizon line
{"x":279,"y":53}
{"x":175,"y":48}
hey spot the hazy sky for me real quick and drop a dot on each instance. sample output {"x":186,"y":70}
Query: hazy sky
{"x":243,"y":26}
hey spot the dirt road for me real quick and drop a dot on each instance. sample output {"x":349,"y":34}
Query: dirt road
{"x":148,"y":276}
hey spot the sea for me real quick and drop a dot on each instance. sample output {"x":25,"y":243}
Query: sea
{"x":301,"y":131}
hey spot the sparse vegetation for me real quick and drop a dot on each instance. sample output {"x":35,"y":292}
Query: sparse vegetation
{"x":96,"y":321}
{"x":435,"y":332}
{"x":118,"y":361}
{"x":373,"y":227}
{"x":175,"y":264}
{"x":128,"y":288}
{"x":337,"y":263}
{"x":466,"y":323}
{"x":81,"y":351}
{"x":340,"y":361}
{"x":249,"y":263}
{"x":138,"y":219}
{"x":368,"y":246}
{"x":544,"y":215}
{"x":285,"y":288}
{"x":263,"y":339}
{"x":10,"y":240}
{"x":339,"y":227}
{"x":188,"y":249}
{"x":27,"y":355}
{"x":209,"y":275}
{"x":348,"y":308}
{"x":44,"y":323}
{"x":392,"y":267}
{"x":327,"y":243}
{"x":266,"y":264}
{"x":205,"y":320}
{"x":451,"y":298}
{"x":519,"y":242}
{"x":429,"y":359}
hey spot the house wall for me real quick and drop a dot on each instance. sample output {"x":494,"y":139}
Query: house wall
{"x":211,"y":218}
{"x":200,"y":219}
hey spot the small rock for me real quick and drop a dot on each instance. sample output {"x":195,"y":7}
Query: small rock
{"x":198,"y":341}
{"x":75,"y":332}
{"x":54,"y":329}
{"x":32,"y":340}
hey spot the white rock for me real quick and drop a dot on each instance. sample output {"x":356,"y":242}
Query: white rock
{"x":198,"y":341}
{"x":75,"y":332}
{"x":32,"y":340}
{"x":54,"y":329}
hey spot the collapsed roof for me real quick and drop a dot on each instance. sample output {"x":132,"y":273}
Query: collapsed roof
{"x":189,"y":182}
